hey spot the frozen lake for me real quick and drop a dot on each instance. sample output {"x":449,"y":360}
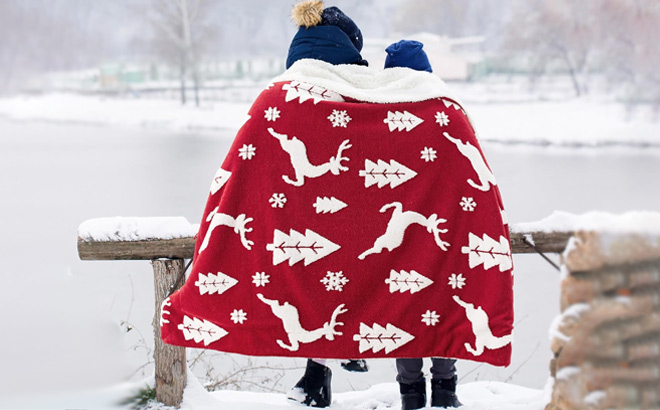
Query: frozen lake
{"x":60,"y":316}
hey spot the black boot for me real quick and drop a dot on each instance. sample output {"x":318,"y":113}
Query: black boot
{"x":413,"y":396}
{"x":443,"y":393}
{"x":313,"y":389}
{"x":357,"y":365}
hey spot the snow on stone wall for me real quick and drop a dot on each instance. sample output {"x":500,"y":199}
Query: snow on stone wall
{"x":606,"y":342}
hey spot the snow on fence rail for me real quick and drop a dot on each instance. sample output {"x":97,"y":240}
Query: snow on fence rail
{"x":595,"y":277}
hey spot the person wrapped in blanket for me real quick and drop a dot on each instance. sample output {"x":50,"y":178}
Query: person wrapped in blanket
{"x":412,"y":384}
{"x":329,"y":35}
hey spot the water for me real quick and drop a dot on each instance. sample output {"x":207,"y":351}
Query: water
{"x":61,"y":317}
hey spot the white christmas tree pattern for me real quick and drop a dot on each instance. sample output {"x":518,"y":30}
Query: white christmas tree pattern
{"x":325,"y":205}
{"x":429,"y":154}
{"x":214,"y":283}
{"x":431,"y":318}
{"x":442,"y":119}
{"x":219,"y":180}
{"x":247,"y":151}
{"x":296,"y":247}
{"x":272,"y":114}
{"x":468,"y":204}
{"x":277,"y":200}
{"x":456,"y":281}
{"x":334,"y":281}
{"x":400,"y":121}
{"x":304,"y":91}
{"x":201,"y":330}
{"x":260,"y":279}
{"x":377,"y":338}
{"x":382,"y":173}
{"x":238,"y":316}
{"x":451,"y":104}
{"x":407,"y":281}
{"x":339,"y":118}
{"x":489,"y":252}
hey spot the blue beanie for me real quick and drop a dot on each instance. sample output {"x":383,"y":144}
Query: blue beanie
{"x":407,"y":53}
{"x":332,"y":16}
{"x":324,"y":34}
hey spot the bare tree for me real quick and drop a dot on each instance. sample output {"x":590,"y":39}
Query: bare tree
{"x":554,"y":35}
{"x":182,"y":34}
{"x":617,"y":38}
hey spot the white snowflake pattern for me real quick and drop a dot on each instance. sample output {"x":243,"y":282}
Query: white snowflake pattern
{"x":339,"y":118}
{"x":238,"y":316}
{"x":272,"y":114}
{"x":468,"y":204}
{"x":430,"y":318}
{"x":456,"y":281}
{"x":260,"y":279}
{"x":429,"y":154}
{"x":247,"y":151}
{"x":442,"y":118}
{"x":277,"y":200}
{"x":334,"y":281}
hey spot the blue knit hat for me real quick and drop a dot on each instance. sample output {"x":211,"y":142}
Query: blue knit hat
{"x":324,"y":34}
{"x":407,"y":53}
{"x":332,"y":16}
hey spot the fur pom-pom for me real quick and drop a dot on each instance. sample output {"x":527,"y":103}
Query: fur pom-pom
{"x":307,"y":13}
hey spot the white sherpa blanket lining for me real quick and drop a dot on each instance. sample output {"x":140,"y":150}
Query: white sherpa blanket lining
{"x":391,"y":85}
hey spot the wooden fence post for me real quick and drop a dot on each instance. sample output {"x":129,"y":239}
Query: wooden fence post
{"x":170,"y":361}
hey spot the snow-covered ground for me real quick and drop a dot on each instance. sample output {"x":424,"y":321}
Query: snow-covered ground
{"x":502,"y":112}
{"x":88,"y":157}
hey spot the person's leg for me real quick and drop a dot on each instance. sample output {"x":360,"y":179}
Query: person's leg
{"x":442,"y":368}
{"x":409,"y":371}
{"x":443,"y":383}
{"x":412,"y":384}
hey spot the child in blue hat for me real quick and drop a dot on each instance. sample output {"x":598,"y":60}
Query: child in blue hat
{"x":407,"y":53}
{"x":412,"y":384}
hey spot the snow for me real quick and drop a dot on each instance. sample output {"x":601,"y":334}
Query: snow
{"x":474,"y":396}
{"x":501,"y":112}
{"x":575,"y":310}
{"x":112,"y":293}
{"x":136,"y":229}
{"x":565,"y":373}
{"x":595,"y":397}
{"x":633,"y":221}
{"x":131,"y":112}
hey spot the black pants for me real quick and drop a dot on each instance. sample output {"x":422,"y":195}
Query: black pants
{"x":409,"y":371}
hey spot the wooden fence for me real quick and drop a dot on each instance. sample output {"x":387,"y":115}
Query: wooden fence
{"x":167,"y":255}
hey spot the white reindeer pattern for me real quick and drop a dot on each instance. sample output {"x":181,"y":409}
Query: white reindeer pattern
{"x":471,"y":152}
{"x":484,"y":336}
{"x":297,"y":334}
{"x":297,"y":150}
{"x":239,"y":224}
{"x":396,"y":228}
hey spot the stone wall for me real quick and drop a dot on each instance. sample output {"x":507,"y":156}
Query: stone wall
{"x":606,"y":342}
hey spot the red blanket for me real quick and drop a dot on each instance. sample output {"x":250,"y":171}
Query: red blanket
{"x":337,"y":228}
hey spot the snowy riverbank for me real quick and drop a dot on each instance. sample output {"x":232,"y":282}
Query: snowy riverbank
{"x":567,"y":122}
